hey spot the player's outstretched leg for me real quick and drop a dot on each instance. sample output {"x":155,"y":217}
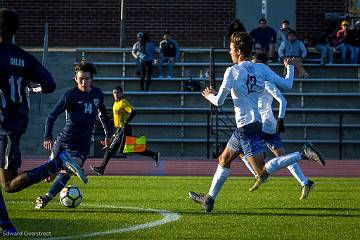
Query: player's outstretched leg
{"x":5,"y":223}
{"x":33,"y":176}
{"x":205,"y":200}
{"x":308,"y":152}
{"x":59,"y":184}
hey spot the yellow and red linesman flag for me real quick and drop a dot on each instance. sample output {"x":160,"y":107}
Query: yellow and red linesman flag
{"x":135,"y":144}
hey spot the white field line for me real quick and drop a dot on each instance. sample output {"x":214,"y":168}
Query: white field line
{"x":168,"y":217}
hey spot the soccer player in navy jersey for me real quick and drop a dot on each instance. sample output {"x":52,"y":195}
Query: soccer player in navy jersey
{"x":82,"y":105}
{"x":17,"y":70}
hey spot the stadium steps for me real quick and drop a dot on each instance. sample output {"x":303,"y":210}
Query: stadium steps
{"x":177,"y":120}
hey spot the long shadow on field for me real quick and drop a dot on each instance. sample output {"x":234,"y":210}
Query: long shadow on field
{"x":313,"y":209}
{"x":282,"y":214}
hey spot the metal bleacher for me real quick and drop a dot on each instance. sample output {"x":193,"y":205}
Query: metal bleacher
{"x":323,"y":108}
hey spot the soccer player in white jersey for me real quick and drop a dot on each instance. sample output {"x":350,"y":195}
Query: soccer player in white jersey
{"x":246,"y":81}
{"x":271,"y":129}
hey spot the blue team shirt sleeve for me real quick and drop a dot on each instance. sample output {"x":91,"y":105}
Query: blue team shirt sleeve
{"x":60,"y":107}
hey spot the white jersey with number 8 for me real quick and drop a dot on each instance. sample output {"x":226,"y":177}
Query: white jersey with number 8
{"x":246,"y":82}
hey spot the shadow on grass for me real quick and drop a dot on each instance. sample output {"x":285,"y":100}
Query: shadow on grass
{"x":290,"y":213}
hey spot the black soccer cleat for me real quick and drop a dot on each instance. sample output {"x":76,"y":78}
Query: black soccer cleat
{"x":41,"y":202}
{"x":98,"y":170}
{"x":305,"y":190}
{"x":197,"y":197}
{"x":157,"y":159}
{"x":206,"y":201}
{"x":308,"y":152}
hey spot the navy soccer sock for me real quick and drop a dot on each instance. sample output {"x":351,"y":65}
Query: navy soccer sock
{"x":5,"y":222}
{"x":59,"y":184}
{"x":46,"y":170}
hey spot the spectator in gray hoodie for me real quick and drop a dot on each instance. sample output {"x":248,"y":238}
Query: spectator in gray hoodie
{"x":294,"y":48}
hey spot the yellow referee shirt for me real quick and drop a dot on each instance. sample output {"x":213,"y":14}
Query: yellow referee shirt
{"x":121,"y":112}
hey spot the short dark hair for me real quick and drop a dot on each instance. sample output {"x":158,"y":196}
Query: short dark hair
{"x":9,"y":23}
{"x":119,"y":88}
{"x":85,"y":66}
{"x":292,"y":32}
{"x":285,"y":21}
{"x":262,"y":20}
{"x":242,"y":41}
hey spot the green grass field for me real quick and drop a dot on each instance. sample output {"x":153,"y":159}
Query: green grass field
{"x":273,"y":212}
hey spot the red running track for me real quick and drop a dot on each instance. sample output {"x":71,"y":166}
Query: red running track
{"x":170,"y":166}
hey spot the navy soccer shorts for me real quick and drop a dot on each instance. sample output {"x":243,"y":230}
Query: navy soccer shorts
{"x":247,"y":140}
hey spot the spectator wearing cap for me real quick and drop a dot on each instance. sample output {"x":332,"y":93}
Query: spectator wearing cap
{"x":264,"y":38}
{"x":136,"y":53}
{"x":283,"y":32}
{"x":294,"y":48}
{"x":235,"y":26}
{"x":343,"y":42}
{"x":169,"y":53}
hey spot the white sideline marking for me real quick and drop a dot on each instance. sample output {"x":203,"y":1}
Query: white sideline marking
{"x":168,"y":217}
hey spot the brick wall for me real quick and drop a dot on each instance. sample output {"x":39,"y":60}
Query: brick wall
{"x":97,"y":22}
{"x":193,"y":23}
{"x":310,"y":14}
{"x":71,"y":22}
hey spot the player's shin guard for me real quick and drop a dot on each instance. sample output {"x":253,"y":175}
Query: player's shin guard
{"x":46,"y":170}
{"x":278,"y":163}
{"x":295,"y":170}
{"x":5,"y":222}
{"x":218,"y":181}
{"x":59,"y":184}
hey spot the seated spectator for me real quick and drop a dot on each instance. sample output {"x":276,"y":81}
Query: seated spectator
{"x":135,"y":52}
{"x":343,"y":40}
{"x":294,"y":48}
{"x":235,"y":26}
{"x":283,"y":32}
{"x":265,"y":38}
{"x":169,"y":53}
{"x":321,"y":44}
{"x":355,"y":42}
{"x":144,"y":53}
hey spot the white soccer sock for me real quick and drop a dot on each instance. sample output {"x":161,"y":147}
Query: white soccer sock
{"x":278,"y":163}
{"x":218,"y":180}
{"x":248,"y":165}
{"x":296,"y":171}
